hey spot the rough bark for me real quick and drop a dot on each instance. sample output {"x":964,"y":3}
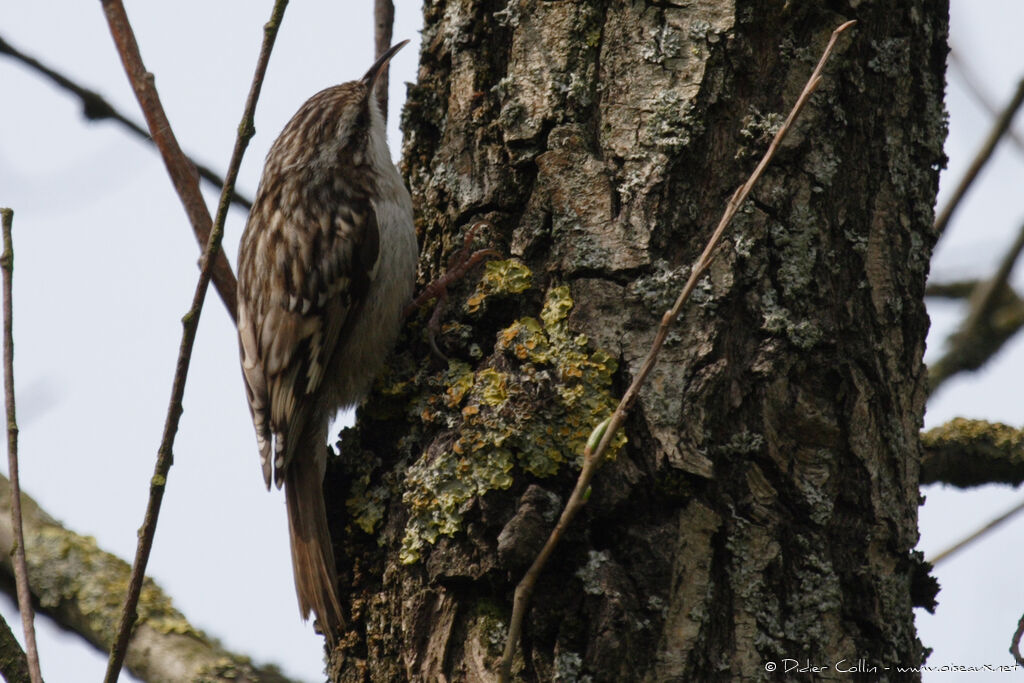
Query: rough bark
{"x":765,"y":504}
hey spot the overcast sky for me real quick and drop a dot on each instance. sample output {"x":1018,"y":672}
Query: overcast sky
{"x":105,"y":270}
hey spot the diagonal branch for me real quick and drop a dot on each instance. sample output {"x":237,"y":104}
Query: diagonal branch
{"x":72,"y":580}
{"x":973,"y":85}
{"x":1002,"y":125}
{"x":95,"y":107}
{"x":604,"y":433}
{"x":20,"y":567}
{"x":142,"y":82}
{"x":182,"y":171}
{"x":995,"y":315}
{"x":989,"y":526}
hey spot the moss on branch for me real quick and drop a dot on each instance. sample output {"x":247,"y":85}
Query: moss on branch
{"x":967,"y":453}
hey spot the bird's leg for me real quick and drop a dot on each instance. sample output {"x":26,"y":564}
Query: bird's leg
{"x":464,"y":260}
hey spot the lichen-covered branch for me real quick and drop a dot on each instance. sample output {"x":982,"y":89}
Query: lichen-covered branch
{"x":967,"y":453}
{"x":80,"y":586}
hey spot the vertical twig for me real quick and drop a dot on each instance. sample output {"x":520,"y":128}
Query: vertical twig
{"x":20,"y":566}
{"x":383,"y":26}
{"x":1002,"y":125}
{"x":190,"y":323}
{"x":182,"y":171}
{"x":605,"y":432}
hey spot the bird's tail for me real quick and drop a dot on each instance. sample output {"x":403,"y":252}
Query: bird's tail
{"x":316,"y":579}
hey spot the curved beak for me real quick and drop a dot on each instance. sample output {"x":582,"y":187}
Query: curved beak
{"x":380,"y":66}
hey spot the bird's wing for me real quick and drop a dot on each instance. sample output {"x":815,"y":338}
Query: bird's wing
{"x":302,"y":274}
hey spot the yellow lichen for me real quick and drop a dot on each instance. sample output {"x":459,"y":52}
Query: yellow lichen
{"x":533,"y":407}
{"x":65,"y":566}
{"x":500,"y":277}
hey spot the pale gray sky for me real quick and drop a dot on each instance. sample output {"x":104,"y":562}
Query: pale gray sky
{"x":105,"y":269}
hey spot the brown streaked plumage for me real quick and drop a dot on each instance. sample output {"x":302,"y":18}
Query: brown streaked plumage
{"x":326,"y":264}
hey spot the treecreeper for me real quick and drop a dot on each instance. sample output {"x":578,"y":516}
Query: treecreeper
{"x":326,"y":265}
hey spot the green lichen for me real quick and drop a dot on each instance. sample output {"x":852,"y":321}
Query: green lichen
{"x":892,"y":57}
{"x":530,"y":409}
{"x":672,"y":123}
{"x":592,"y":572}
{"x":757,"y":132}
{"x":568,"y":666}
{"x":664,"y":43}
{"x":500,"y":277}
{"x":366,"y":502}
{"x":65,"y":566}
{"x":776,"y":319}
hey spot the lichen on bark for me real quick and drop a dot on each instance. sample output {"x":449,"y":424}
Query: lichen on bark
{"x":764,"y":505}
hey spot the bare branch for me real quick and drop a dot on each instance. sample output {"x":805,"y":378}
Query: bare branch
{"x":995,"y":315}
{"x":182,"y":171}
{"x":71,"y":580}
{"x":142,"y":82}
{"x":984,"y":154}
{"x":957,"y":289}
{"x":20,"y":569}
{"x":605,"y":432}
{"x":975,"y":535}
{"x":966,"y":453}
{"x":95,"y":107}
{"x":973,"y":84}
{"x":383,"y":27}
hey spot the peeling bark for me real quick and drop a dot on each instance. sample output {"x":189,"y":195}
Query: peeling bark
{"x":765,"y":503}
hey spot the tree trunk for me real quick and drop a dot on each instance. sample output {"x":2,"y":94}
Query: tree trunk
{"x":763,"y":506}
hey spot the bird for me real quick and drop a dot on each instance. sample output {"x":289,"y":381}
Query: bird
{"x":326,"y":264}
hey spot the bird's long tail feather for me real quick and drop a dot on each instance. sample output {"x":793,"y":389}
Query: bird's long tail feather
{"x":312,"y":555}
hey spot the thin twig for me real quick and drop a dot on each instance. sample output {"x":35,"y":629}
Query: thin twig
{"x":973,"y":84}
{"x":1002,"y":125}
{"x":20,"y":566}
{"x":592,"y":458}
{"x":975,"y":535}
{"x":1015,"y":643}
{"x":157,"y":653}
{"x":182,"y":171}
{"x":383,"y":27}
{"x":123,"y":36}
{"x":95,"y":107}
